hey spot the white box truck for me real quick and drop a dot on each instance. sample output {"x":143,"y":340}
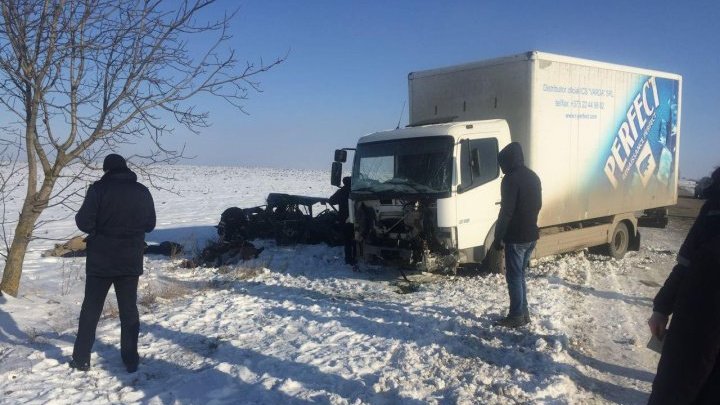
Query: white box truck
{"x":603,"y":138}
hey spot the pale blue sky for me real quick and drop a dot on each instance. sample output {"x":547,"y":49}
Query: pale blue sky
{"x":346,"y":74}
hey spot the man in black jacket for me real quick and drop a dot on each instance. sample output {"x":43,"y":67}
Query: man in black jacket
{"x":516,"y":228}
{"x":689,"y":368}
{"x":340,"y":198}
{"x":116,"y":214}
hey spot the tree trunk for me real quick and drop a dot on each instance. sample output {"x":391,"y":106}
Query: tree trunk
{"x":13,"y":266}
{"x":35,"y":203}
{"x":23,"y":232}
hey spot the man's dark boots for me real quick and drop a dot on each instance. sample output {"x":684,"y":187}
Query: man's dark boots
{"x":514,"y":321}
{"x":79,"y":366}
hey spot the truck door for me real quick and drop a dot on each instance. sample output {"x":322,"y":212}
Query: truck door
{"x":478,"y":191}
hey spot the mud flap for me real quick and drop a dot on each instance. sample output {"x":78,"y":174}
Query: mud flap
{"x":634,"y":244}
{"x":494,"y":262}
{"x":654,"y":218}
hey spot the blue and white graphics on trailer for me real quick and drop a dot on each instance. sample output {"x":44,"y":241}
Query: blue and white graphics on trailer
{"x":646,"y":140}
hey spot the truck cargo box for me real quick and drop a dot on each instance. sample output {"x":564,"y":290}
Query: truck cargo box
{"x":603,"y":138}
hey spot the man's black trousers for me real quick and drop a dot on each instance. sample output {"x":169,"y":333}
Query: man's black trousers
{"x":96,"y":289}
{"x":348,"y":231}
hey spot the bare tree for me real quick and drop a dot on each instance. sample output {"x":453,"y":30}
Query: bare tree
{"x":84,"y":77}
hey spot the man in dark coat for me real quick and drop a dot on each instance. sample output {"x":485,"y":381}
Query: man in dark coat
{"x":116,"y":214}
{"x":340,"y":198}
{"x":689,"y":368}
{"x":516,"y":228}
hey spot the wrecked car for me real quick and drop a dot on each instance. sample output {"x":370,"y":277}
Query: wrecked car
{"x":286,"y":218}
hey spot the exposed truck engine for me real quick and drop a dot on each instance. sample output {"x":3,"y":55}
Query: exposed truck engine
{"x":406,"y":232}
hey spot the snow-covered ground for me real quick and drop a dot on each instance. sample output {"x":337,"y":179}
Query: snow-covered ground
{"x":296,"y":325}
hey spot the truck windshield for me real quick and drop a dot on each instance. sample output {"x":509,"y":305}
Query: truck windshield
{"x":405,"y":166}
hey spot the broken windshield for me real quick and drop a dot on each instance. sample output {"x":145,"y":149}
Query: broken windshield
{"x":404,"y":166}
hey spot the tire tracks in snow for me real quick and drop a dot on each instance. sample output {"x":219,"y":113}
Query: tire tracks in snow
{"x":602,"y":327}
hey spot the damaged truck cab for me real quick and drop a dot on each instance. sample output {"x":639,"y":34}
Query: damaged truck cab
{"x":427,"y":196}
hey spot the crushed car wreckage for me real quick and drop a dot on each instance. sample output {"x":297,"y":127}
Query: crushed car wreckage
{"x":286,"y":218}
{"x":77,"y":247}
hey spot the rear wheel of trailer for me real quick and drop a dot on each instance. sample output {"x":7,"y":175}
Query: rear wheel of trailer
{"x":618,"y":245}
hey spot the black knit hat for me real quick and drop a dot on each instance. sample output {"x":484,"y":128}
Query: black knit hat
{"x":114,"y":162}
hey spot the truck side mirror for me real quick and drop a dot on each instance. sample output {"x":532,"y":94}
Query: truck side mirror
{"x":336,"y":173}
{"x":340,"y":155}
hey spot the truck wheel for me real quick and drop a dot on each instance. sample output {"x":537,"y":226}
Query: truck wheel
{"x":494,"y":262}
{"x":618,"y":246}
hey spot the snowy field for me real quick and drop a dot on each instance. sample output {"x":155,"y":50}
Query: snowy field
{"x":298,"y":326}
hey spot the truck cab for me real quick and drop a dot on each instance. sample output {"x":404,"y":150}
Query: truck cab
{"x":427,"y":196}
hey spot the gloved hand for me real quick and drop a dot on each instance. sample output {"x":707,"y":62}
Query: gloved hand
{"x":658,"y":324}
